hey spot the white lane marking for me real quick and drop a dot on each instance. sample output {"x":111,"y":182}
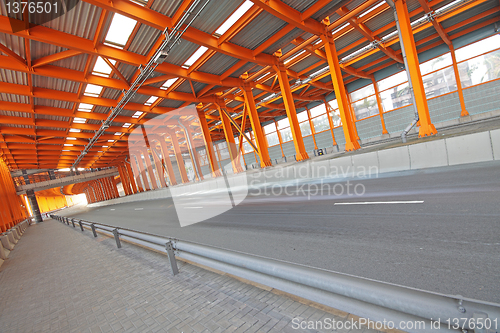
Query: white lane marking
{"x":194,"y":207}
{"x":112,"y":209}
{"x":139,"y":209}
{"x":379,"y":202}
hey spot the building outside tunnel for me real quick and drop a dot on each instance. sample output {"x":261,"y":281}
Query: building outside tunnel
{"x":110,"y":102}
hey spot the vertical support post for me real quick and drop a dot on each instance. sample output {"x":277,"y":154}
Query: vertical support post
{"x":73,"y":222}
{"x":350,"y":132}
{"x":260,"y":140}
{"x":279,"y":139}
{"x":178,"y":156}
{"x":117,"y":238}
{"x":149,"y":168}
{"x":330,"y":120}
{"x":171,"y":257}
{"x":142,"y":171}
{"x":426,"y":126}
{"x":166,"y":157}
{"x":130,"y":174}
{"x":93,"y":229}
{"x":81,"y":225}
{"x":464,"y":112}
{"x":192,"y":149}
{"x":159,"y":166}
{"x":125,"y":180}
{"x":380,"y":106}
{"x":311,"y":125}
{"x":291,"y":112}
{"x":212,"y":161}
{"x":229,"y":135}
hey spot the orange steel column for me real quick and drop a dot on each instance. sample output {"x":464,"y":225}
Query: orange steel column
{"x":141,"y":171}
{"x":114,"y":189}
{"x":311,"y":125}
{"x":231,"y":145}
{"x":159,"y":167}
{"x":260,"y":140}
{"x":166,"y":156}
{"x":279,"y":138}
{"x":131,"y":177}
{"x":350,"y":133}
{"x":194,"y":153}
{"x":212,"y":161}
{"x":464,"y":112}
{"x":178,"y":156}
{"x":380,"y":106}
{"x":124,"y":179}
{"x":149,"y":167}
{"x":291,"y":112}
{"x":426,"y":126}
{"x":330,"y":120}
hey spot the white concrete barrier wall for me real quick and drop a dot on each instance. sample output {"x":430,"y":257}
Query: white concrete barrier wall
{"x":471,"y":148}
{"x":495,"y":143}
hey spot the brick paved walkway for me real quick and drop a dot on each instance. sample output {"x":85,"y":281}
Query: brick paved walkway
{"x":58,"y":279}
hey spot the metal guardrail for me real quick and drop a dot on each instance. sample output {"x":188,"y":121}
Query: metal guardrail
{"x":378,"y":301}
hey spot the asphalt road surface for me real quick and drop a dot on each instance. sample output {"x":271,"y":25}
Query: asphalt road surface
{"x":444,"y":238}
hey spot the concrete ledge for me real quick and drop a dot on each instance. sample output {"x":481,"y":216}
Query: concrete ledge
{"x":428,"y":154}
{"x":471,"y":148}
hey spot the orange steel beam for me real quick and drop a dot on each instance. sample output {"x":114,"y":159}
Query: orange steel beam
{"x":116,"y":71}
{"x":260,"y":139}
{"x":291,"y":112}
{"x":208,"y":144}
{"x":178,"y":156}
{"x":246,"y":18}
{"x":350,"y":132}
{"x":166,"y":156}
{"x":426,"y":126}
{"x":229,"y":136}
{"x":12,"y":55}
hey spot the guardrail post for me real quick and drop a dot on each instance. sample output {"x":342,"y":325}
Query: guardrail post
{"x":73,"y":222}
{"x":93,"y":229}
{"x":117,"y":238}
{"x":80,"y":223}
{"x":171,"y":257}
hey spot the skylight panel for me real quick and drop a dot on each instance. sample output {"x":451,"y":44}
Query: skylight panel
{"x":92,"y":90}
{"x":70,"y":138}
{"x":372,"y":9}
{"x":168,"y":83}
{"x":339,"y":28}
{"x":111,"y":140}
{"x":197,"y":55}
{"x":120,"y":29}
{"x":104,"y":146}
{"x":234,"y":17}
{"x":75,"y":130}
{"x":85,"y":107}
{"x":126,"y":125}
{"x":68,"y":144}
{"x":137,"y":114}
{"x":295,"y":56}
{"x":101,"y":67}
{"x":151,"y":100}
{"x":79,"y":120}
{"x":118,"y":133}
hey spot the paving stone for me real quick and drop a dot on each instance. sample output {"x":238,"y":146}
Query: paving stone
{"x":59,"y":279}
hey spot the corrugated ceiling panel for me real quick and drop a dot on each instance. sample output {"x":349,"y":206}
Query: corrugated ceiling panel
{"x":170,"y":103}
{"x":346,"y":40}
{"x":181,"y":52}
{"x":381,"y":21}
{"x":299,"y":5}
{"x":144,"y":39}
{"x":214,"y":14}
{"x":39,"y":49}
{"x":14,"y":43}
{"x":101,"y":109}
{"x":13,"y":77}
{"x":329,"y":10}
{"x":15,"y":114}
{"x":81,"y":21}
{"x":218,"y":64}
{"x":283,"y":41}
{"x":166,"y":7}
{"x":258,"y":30}
{"x":56,"y":118}
{"x":126,"y":70}
{"x":309,"y":61}
{"x":77,"y":62}
{"x":54,"y":103}
{"x":55,"y":84}
{"x":111,"y":93}
{"x":476,"y":10}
